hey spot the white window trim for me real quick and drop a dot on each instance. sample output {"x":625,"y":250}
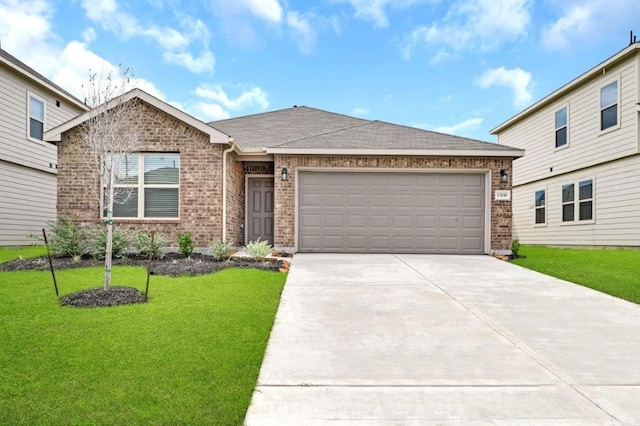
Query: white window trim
{"x":141,"y":187}
{"x":602,"y":86}
{"x":546,"y":207}
{"x":576,"y":202}
{"x":44,"y":114}
{"x":555,"y":129}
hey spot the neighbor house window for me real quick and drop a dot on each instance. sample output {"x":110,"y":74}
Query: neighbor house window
{"x":152,"y":193}
{"x":36,"y":117}
{"x":561,"y":127}
{"x":577,"y":204}
{"x":609,"y":106}
{"x":541,"y":211}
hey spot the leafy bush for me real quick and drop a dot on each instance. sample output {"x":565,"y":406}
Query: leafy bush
{"x":66,"y":239}
{"x":221,"y":249}
{"x":143,"y":244}
{"x":119,"y":246}
{"x":515,"y":248}
{"x":258,"y":249}
{"x":185,"y":244}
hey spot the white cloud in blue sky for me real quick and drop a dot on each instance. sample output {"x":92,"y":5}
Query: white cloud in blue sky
{"x":463,"y":66}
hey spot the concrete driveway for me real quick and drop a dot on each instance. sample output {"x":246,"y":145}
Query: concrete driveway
{"x":416,"y":339}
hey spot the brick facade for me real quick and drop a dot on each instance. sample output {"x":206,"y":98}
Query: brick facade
{"x":200,"y":179}
{"x":284,"y":203}
{"x":235,"y":200}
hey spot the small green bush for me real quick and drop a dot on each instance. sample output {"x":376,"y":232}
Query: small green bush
{"x":120,"y":243}
{"x":258,"y":249}
{"x":185,"y":244}
{"x":221,"y":249}
{"x":515,"y":248}
{"x":143,"y":244}
{"x":66,"y":239}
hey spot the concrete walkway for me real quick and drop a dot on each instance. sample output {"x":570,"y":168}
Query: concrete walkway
{"x":418,"y":339}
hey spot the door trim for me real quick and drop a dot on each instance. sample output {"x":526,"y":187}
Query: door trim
{"x":246,"y":203}
{"x":487,"y":187}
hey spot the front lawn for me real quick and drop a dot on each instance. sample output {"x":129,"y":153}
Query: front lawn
{"x":612,"y":271}
{"x":189,"y":356}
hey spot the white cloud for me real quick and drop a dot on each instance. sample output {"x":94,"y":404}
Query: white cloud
{"x":471,"y":24}
{"x":458,"y":128}
{"x":266,"y":10}
{"x":304,"y":32}
{"x":88,"y":35}
{"x":516,"y":79}
{"x":249,"y":97}
{"x":205,"y":62}
{"x":375,"y":10}
{"x":360,"y":111}
{"x":583,"y":23}
{"x":215,"y":103}
{"x":175,"y":43}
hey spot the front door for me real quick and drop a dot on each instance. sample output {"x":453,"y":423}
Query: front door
{"x":260,"y":209}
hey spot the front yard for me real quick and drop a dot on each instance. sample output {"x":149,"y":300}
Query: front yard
{"x":189,"y":356}
{"x":612,"y":271}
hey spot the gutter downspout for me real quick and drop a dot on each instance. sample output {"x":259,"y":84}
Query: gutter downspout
{"x":232,"y":142}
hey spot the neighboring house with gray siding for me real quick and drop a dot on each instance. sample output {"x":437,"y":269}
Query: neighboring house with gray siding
{"x":30,"y":104}
{"x":304,"y":179}
{"x":577,"y":185}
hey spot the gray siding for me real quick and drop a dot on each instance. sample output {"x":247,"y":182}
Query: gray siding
{"x":616,"y":209}
{"x":27,"y":202}
{"x":14,"y":144}
{"x":588,"y":146}
{"x":27,"y":167}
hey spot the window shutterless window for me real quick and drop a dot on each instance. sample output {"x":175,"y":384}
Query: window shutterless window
{"x":154,"y":193}
{"x":541,"y":213}
{"x":582,"y":208}
{"x":561,"y":127}
{"x":36,"y":111}
{"x":609,"y":106}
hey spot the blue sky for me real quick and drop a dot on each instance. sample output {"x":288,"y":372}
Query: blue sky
{"x":459,"y":67}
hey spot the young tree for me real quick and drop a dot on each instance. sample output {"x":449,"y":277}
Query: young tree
{"x":108,"y":138}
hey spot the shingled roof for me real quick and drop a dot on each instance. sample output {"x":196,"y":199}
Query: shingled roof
{"x":304,"y":129}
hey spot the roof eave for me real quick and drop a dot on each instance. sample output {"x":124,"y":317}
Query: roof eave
{"x":215,"y":136}
{"x":514,"y":153}
{"x":44,"y":83}
{"x":567,"y":87}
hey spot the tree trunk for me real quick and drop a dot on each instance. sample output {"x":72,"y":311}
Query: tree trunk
{"x":109,"y":242}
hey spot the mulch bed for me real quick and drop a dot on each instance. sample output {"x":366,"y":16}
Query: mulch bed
{"x":172,"y":264}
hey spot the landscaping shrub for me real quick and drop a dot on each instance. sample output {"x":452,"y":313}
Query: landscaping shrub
{"x":185,"y":244}
{"x":515,"y":248}
{"x":66,"y":239}
{"x":221,"y":249}
{"x":143,"y":244}
{"x":119,"y":245}
{"x":258,"y":249}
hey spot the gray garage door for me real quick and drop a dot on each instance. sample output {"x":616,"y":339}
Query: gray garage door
{"x":391,"y":212}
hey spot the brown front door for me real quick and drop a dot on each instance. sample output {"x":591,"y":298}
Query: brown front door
{"x":260,"y":210}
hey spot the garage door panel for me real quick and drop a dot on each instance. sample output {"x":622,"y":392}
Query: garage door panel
{"x":391,"y":212}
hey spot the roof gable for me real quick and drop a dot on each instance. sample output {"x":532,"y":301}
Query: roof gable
{"x":217,"y":137}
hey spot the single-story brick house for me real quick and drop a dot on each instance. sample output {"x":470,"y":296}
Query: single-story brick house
{"x":306,"y":180}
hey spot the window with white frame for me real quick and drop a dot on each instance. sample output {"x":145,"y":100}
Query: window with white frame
{"x":36,"y":111}
{"x":609,"y":106}
{"x":154,"y":193}
{"x":561,"y":118}
{"x":577,"y":204}
{"x":541,"y":209}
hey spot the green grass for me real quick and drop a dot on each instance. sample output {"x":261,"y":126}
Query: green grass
{"x":8,"y":253}
{"x":612,"y":271}
{"x":189,"y":356}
